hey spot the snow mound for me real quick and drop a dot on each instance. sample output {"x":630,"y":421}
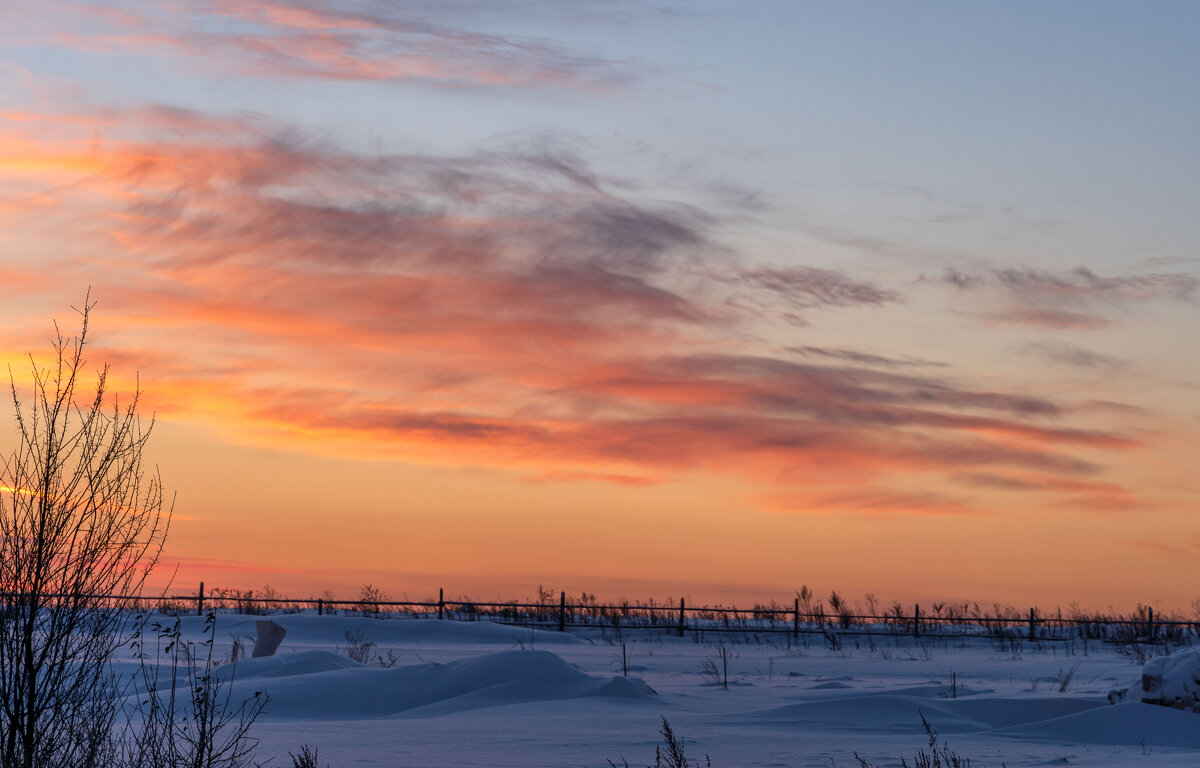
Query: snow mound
{"x":887,"y":712}
{"x":1127,"y":724}
{"x":1171,"y":681}
{"x":321,"y":685}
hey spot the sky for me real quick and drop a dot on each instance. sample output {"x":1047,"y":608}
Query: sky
{"x":638,"y":299}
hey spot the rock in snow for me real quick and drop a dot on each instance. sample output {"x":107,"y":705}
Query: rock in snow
{"x":270,"y":635}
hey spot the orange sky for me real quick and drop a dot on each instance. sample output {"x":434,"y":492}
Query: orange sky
{"x":389,"y":351}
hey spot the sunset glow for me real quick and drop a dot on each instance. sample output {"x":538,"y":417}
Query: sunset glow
{"x":642,"y":299}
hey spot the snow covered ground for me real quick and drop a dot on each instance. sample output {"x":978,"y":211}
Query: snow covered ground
{"x":481,"y":694}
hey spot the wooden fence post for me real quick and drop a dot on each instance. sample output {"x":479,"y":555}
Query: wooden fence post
{"x":320,"y":607}
{"x":1150,"y":624}
{"x":562,"y":612}
{"x":916,"y":620}
{"x":681,"y":617}
{"x":1032,"y":619}
{"x":200,"y":601}
{"x":441,"y":602}
{"x":796,"y":619}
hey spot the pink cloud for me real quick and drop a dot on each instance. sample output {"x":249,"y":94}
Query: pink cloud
{"x":503,"y":309}
{"x":343,"y":41}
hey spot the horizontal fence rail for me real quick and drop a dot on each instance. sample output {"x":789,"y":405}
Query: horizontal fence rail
{"x":795,"y":620}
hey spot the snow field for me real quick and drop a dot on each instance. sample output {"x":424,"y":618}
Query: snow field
{"x":481,"y":694}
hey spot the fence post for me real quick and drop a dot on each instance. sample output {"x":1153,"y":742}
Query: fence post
{"x":200,"y":601}
{"x":916,"y":620}
{"x":796,"y":619}
{"x":320,"y":607}
{"x":562,"y":611}
{"x":1031,"y":620}
{"x":681,"y":617}
{"x":1150,"y":624}
{"x":441,"y":602}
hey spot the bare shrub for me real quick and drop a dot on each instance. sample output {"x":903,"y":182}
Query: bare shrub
{"x":81,"y":519}
{"x":82,"y":524}
{"x":939,"y":755}
{"x":369,"y":598}
{"x":187,"y":715}
{"x":388,"y":659}
{"x":716,"y":667}
{"x":1064,"y":679}
{"x":669,"y":754}
{"x":306,"y":759}
{"x":358,"y":647}
{"x":841,"y":609}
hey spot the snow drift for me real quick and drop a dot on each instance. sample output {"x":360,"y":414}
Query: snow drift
{"x":322,"y":685}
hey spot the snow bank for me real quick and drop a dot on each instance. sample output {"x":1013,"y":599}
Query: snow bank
{"x":1173,"y":680}
{"x":322,"y":685}
{"x":1170,"y":681}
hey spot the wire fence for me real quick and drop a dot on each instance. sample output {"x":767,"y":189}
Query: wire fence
{"x":802,"y":617}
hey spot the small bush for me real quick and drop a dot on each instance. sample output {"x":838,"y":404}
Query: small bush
{"x":358,"y":647}
{"x":306,"y":759}
{"x":716,"y":668}
{"x":1064,"y":678}
{"x":369,"y":598}
{"x":669,"y":754}
{"x":938,"y":756}
{"x":188,"y":717}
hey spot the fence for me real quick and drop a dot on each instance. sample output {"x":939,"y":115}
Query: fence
{"x":795,"y":620}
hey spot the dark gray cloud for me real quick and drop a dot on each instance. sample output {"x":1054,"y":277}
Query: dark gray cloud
{"x":1085,"y":493}
{"x":532,"y":231}
{"x":1072,"y":355}
{"x":1076,"y":298}
{"x":961,"y":279}
{"x":630,"y":238}
{"x":809,"y":287}
{"x":1108,"y":405}
{"x":1080,"y":283}
{"x":1051,"y":319}
{"x":834,"y":393}
{"x":863,"y":358}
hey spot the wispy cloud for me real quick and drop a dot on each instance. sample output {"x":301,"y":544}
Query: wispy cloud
{"x":872,"y":502}
{"x":1072,"y":492}
{"x":504,"y":308}
{"x":806,"y":287}
{"x":344,"y":40}
{"x":1073,"y":355}
{"x":863,"y":358}
{"x":1163,"y":549}
{"x":1077,"y":298}
{"x":1081,"y":282}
